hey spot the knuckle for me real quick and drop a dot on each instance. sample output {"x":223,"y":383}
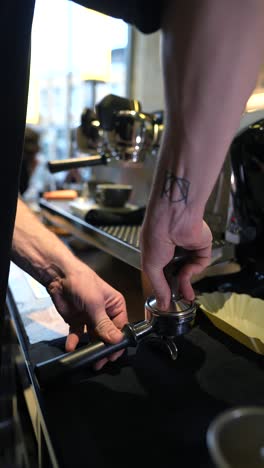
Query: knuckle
{"x":120,"y":297}
{"x":101,"y":325}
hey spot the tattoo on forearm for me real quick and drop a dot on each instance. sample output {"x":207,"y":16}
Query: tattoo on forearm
{"x":176,"y":189}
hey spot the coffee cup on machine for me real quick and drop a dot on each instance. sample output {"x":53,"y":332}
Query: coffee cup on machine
{"x":112,"y":195}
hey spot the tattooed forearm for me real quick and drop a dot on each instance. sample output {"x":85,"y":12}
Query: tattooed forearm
{"x":175,"y":188}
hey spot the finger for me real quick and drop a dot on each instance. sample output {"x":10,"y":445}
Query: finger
{"x":116,"y":355}
{"x":186,"y":274}
{"x":161,"y":288}
{"x":71,"y":342}
{"x":185,"y":287}
{"x":146,"y":285}
{"x":73,"y":338}
{"x":106,"y":330}
{"x":113,"y":357}
{"x":117,"y":313}
{"x":155,"y":256}
{"x":100,"y":364}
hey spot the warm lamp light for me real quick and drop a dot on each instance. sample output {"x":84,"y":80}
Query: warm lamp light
{"x":97,"y":62}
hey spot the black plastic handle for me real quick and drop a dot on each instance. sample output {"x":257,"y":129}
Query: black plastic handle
{"x":59,"y":165}
{"x":67,"y":363}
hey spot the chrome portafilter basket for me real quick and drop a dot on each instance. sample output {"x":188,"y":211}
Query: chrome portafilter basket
{"x":178,"y":319}
{"x":160,"y":327}
{"x":132,"y":136}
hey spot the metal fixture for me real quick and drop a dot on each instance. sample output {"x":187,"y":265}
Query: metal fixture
{"x":120,"y":131}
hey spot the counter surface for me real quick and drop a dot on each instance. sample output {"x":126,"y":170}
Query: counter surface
{"x":145,"y":403}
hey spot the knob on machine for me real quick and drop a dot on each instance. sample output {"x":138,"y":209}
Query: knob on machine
{"x":161,"y":327}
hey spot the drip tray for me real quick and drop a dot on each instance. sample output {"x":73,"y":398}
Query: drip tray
{"x":119,"y":241}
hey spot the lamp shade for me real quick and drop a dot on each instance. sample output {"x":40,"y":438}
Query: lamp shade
{"x":97,"y":60}
{"x":98,"y":65}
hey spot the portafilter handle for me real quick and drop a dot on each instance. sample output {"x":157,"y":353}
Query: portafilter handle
{"x":61,"y":366}
{"x":60,"y":165}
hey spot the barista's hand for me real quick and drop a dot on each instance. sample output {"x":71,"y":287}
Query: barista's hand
{"x":84,"y":299}
{"x":163,"y":229}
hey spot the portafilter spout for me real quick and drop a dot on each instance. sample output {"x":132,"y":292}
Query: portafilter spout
{"x":178,"y":319}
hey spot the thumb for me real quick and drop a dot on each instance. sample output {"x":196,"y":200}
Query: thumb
{"x":185,"y":277}
{"x":107,"y":331}
{"x":161,"y":289}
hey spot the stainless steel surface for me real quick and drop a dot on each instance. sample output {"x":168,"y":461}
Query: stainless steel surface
{"x":235,"y":438}
{"x":121,"y":242}
{"x":179,"y":309}
{"x":132,"y":136}
{"x":171,"y":347}
{"x":178,"y":320}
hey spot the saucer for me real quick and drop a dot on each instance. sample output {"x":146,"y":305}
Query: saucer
{"x":80,"y":206}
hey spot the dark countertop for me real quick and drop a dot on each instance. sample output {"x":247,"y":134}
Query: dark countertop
{"x":145,"y":403}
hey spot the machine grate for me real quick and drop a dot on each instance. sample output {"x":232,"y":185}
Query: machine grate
{"x":128,"y":234}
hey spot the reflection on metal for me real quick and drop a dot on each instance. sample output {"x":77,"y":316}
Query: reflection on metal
{"x":166,"y":345}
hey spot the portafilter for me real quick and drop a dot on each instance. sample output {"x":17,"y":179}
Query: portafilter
{"x":161,"y":327}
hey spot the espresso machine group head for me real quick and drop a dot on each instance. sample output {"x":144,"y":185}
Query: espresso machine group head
{"x":119,"y":131}
{"x":161,"y":327}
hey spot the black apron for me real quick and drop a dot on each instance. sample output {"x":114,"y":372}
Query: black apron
{"x":145,"y":15}
{"x":15,"y":26}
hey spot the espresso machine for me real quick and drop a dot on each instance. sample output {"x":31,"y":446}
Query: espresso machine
{"x":245,"y":227}
{"x":119,"y":138}
{"x":120,"y":143}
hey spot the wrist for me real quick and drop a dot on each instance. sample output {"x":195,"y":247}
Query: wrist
{"x":173,"y":195}
{"x":56,"y":269}
{"x":182,"y":169}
